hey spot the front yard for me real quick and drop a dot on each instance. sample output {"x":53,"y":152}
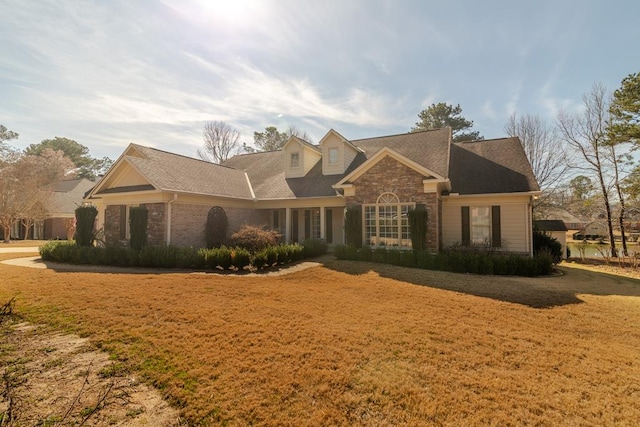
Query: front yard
{"x":356,"y":343}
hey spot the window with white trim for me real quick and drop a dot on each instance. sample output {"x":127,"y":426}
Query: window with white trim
{"x":295,"y":160}
{"x":333,"y":156}
{"x":480,"y":224}
{"x":386,"y":223}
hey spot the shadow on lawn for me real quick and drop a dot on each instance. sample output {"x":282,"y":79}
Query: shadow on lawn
{"x":541,"y":292}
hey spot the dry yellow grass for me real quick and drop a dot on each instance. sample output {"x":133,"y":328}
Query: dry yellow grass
{"x":361,"y":344}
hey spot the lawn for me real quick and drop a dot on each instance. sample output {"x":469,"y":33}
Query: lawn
{"x":353,"y":343}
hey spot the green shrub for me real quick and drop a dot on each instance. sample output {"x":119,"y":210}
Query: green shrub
{"x":259,"y":260}
{"x":379,"y":255}
{"x":240,"y":258}
{"x":418,"y":226}
{"x":271,"y":255}
{"x":138,"y":219}
{"x":216,"y":228}
{"x":85,"y":222}
{"x":545,"y":243}
{"x":254,"y":239}
{"x":353,"y":225}
{"x":407,"y":259}
{"x":314,"y":247}
{"x":393,"y":257}
{"x":365,"y":253}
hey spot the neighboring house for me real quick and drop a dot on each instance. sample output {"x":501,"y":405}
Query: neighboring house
{"x":571,"y":221}
{"x":60,"y":212}
{"x":66,"y":198}
{"x":474,"y":192}
{"x":593,"y":230}
{"x":555,"y":228}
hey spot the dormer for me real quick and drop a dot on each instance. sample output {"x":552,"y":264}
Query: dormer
{"x":337,"y":153}
{"x":299,"y":157}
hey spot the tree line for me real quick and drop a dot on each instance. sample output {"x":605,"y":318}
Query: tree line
{"x":29,"y":177}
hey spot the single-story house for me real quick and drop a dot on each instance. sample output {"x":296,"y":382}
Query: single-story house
{"x":59,"y":219}
{"x":474,"y":192}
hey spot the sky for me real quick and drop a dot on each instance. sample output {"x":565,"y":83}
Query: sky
{"x":152,"y":72}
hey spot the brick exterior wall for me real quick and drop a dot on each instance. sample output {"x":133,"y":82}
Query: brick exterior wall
{"x":112,"y":226}
{"x":55,"y":228}
{"x":389,"y":175}
{"x":156,"y":223}
{"x":188,"y":222}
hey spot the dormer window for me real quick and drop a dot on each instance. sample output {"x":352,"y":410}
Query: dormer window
{"x":295,"y":160}
{"x":333,"y":156}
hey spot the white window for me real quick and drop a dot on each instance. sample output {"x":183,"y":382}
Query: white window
{"x":333,"y":156}
{"x":295,"y":160}
{"x":480,"y":224}
{"x":387,"y":222}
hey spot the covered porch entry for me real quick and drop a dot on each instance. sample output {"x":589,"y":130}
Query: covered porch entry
{"x":296,"y":224}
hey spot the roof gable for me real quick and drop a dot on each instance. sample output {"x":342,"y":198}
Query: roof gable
{"x":381,"y":154}
{"x":490,"y":166}
{"x":141,"y":166}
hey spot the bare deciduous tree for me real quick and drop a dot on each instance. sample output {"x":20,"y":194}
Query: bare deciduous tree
{"x":543,"y":148}
{"x":586,"y":134}
{"x":220,"y":142}
{"x":26,"y":185}
{"x":294,"y":130}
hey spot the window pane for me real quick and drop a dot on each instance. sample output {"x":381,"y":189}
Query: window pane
{"x":295,"y":160}
{"x":333,"y":156}
{"x":480,"y":225}
{"x":369,"y":225}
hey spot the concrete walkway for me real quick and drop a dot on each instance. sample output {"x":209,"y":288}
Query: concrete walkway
{"x":37,"y":262}
{"x":17,"y":249}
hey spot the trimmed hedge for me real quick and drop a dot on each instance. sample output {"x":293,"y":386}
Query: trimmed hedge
{"x":222,"y":258}
{"x":457,"y":261}
{"x":85,"y":221}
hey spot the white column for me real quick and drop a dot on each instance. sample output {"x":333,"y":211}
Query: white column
{"x":323,"y":234}
{"x":287,"y":225}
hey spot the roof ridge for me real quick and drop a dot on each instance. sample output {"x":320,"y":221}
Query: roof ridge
{"x":183,"y":156}
{"x":398,"y":134}
{"x":484,"y":140}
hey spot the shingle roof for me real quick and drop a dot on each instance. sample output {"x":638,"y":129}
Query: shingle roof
{"x":549,"y":225}
{"x":490,"y":166}
{"x":267,"y":176}
{"x":68,"y":195}
{"x":266,"y":169}
{"x":481,"y":167}
{"x":173,"y":172}
{"x":429,"y":149}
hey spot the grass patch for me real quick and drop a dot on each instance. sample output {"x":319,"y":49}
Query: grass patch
{"x":360,"y":343}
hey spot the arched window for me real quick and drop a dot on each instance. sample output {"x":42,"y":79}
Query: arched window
{"x":386,"y":223}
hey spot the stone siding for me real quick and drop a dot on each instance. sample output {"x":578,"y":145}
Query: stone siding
{"x":391,"y":176}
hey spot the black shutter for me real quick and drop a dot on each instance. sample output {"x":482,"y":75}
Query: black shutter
{"x":466,"y":226}
{"x":328,"y":229}
{"x":123,"y":222}
{"x":496,"y":236}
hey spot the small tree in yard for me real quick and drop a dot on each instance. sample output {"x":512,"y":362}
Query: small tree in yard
{"x":418,"y":227}
{"x":216,"y":229}
{"x":138,"y":218}
{"x":85,"y":220}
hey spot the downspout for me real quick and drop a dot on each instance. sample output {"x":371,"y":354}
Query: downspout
{"x":175,"y":197}
{"x":530,"y":225}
